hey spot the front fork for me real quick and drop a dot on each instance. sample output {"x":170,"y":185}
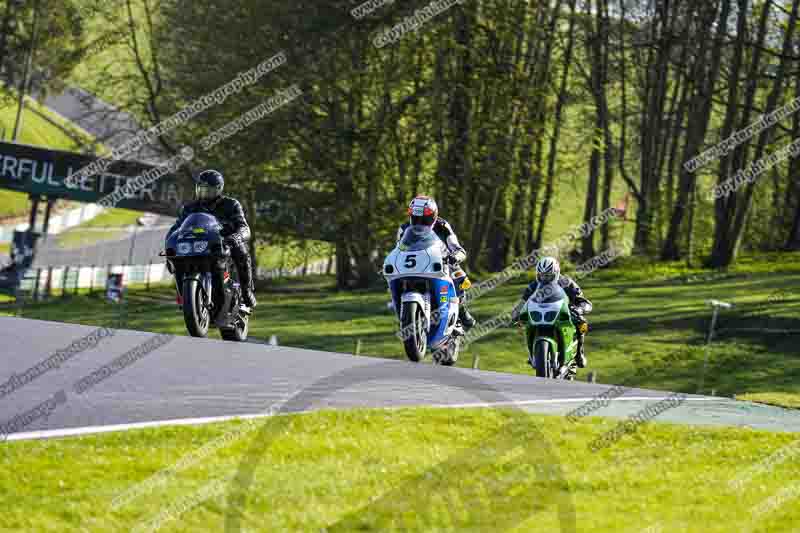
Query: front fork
{"x":206,"y":285}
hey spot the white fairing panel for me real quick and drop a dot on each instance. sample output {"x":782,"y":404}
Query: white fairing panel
{"x":544,"y":309}
{"x":418,"y":263}
{"x":413,"y":262}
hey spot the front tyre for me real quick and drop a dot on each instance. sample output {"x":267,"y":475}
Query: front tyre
{"x":237,"y":333}
{"x":542,"y":359}
{"x":195,"y":313}
{"x":413,"y":325}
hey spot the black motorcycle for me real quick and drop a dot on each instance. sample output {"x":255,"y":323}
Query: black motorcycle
{"x":207,"y":291}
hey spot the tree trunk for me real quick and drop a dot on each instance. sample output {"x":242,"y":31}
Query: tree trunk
{"x":794,"y":235}
{"x":726,"y":250}
{"x":343,"y":266}
{"x":561,"y":102}
{"x":697,"y":127}
{"x":724,"y":206}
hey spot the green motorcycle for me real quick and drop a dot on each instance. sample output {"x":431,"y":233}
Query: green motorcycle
{"x":550,"y":332}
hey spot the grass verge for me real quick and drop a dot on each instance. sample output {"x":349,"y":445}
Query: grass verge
{"x":291,"y":254}
{"x":410,"y":469}
{"x":780,"y":399}
{"x":35,"y":131}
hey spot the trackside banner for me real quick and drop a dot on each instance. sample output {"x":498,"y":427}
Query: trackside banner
{"x":31,"y":169}
{"x":279,"y":208}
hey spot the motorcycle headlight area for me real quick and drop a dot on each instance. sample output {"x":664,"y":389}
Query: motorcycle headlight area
{"x":550,"y":316}
{"x":200,"y":246}
{"x":184,"y":248}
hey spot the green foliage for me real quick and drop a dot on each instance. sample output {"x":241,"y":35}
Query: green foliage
{"x":463,"y":109}
{"x":60,"y":37}
{"x":36,"y":131}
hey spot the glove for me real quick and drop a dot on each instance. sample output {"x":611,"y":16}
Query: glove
{"x":575,"y":311}
{"x":450,"y":260}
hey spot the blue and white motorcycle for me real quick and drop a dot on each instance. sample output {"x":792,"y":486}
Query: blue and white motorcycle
{"x":424,"y":296}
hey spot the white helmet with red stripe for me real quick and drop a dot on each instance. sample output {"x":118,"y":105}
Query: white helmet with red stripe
{"x":423,"y":211}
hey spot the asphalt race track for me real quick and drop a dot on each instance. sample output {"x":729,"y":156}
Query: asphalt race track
{"x":190,"y":381}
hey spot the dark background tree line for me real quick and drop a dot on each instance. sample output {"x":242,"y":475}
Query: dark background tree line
{"x":502,"y":110}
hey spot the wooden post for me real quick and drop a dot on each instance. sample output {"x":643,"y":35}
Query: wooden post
{"x":64,"y":274}
{"x":33,"y":213}
{"x":35,"y":295}
{"x":357,"y":350}
{"x":48,"y":288}
{"x":91,"y":282}
{"x":77,"y":279}
{"x":476,"y":358}
{"x":47,"y":211}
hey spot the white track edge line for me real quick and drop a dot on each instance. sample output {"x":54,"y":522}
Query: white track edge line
{"x":92,"y":430}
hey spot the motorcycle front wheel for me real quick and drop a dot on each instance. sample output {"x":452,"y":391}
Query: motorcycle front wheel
{"x":413,"y":324}
{"x":542,"y":359}
{"x":195,"y":314}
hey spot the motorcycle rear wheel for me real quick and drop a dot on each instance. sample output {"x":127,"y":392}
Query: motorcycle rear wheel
{"x":195,"y":314}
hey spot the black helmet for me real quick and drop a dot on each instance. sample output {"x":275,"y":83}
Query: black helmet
{"x":423,"y":211}
{"x":209,"y":185}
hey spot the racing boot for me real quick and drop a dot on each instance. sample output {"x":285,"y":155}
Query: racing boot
{"x":580,"y":358}
{"x":467,"y":320}
{"x":246,"y":281}
{"x":249,"y":298}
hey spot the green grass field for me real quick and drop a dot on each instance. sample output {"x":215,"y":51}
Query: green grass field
{"x":643,"y":315}
{"x":35,"y":131}
{"x":447,"y":469}
{"x":291,"y":254}
{"x":409,"y":469}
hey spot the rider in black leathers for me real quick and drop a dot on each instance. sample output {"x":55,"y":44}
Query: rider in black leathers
{"x":236,"y":231}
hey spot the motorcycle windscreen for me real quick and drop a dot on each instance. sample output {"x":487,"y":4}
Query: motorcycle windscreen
{"x":544,"y":305}
{"x":417,"y":238}
{"x":548,"y":293}
{"x":198,"y":221}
